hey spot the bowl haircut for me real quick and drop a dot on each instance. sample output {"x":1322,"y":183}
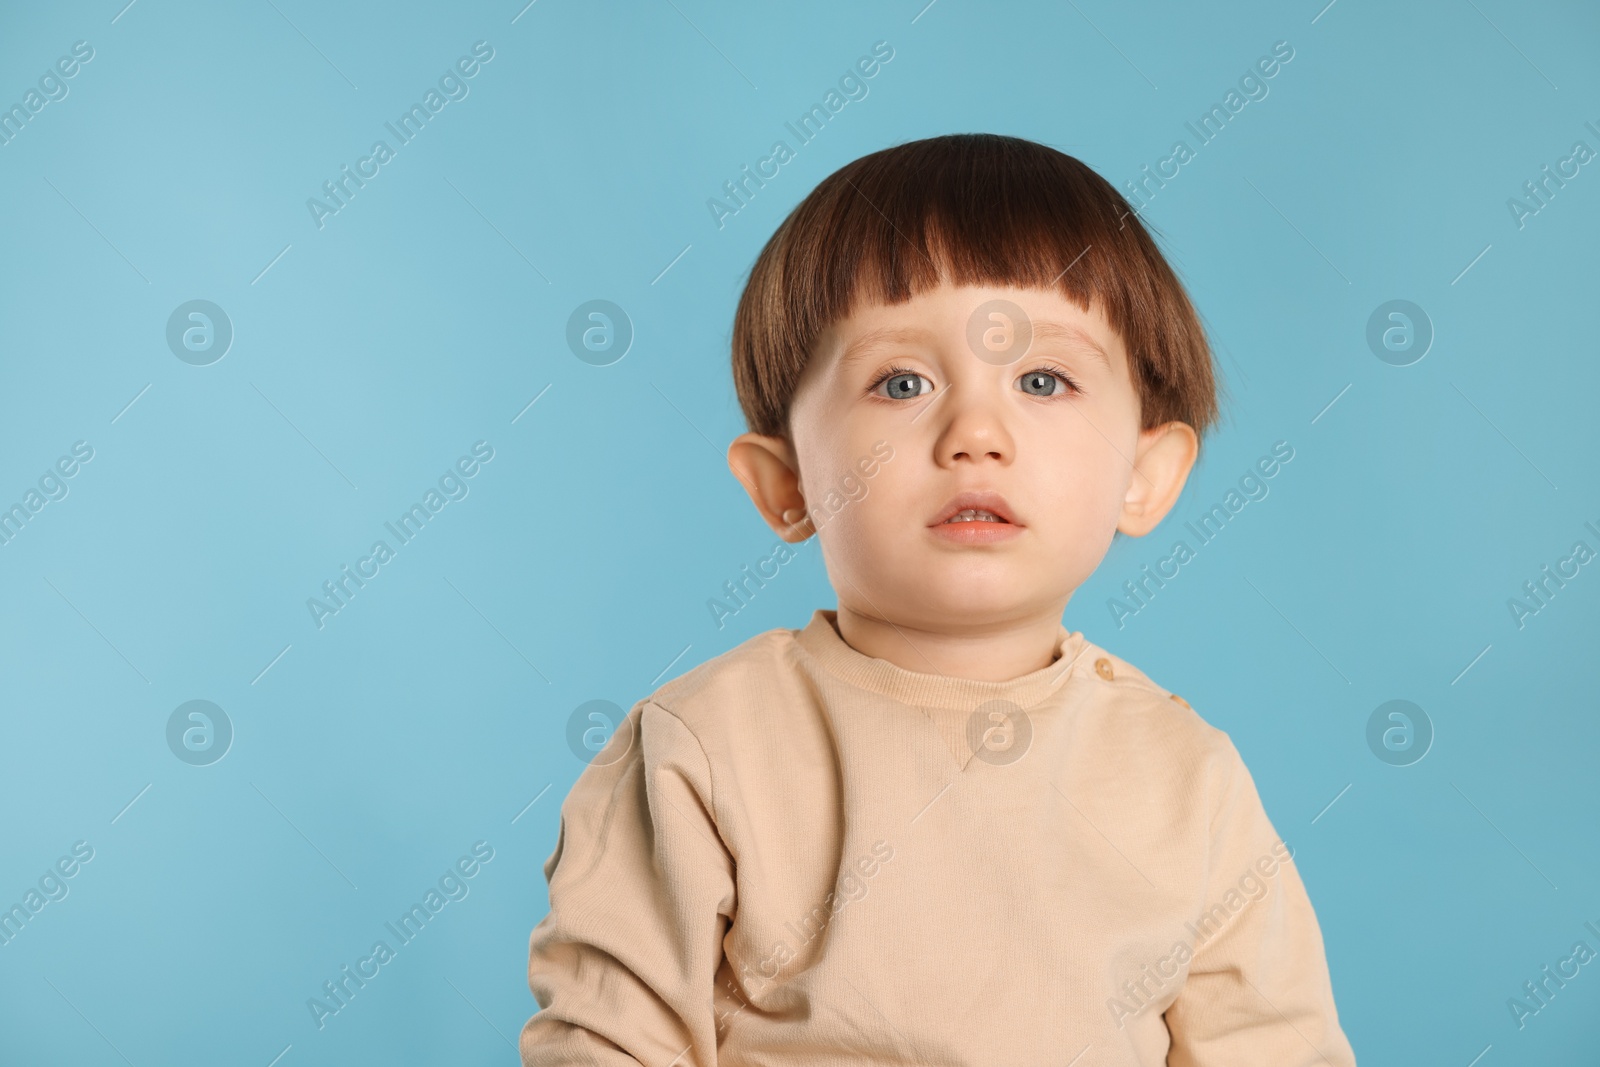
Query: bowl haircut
{"x":973,"y":209}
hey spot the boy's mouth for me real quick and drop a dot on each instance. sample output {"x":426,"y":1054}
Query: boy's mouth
{"x":976,"y":517}
{"x":975,"y":506}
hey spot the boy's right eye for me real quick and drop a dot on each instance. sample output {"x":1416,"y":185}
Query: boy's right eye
{"x":898,"y":384}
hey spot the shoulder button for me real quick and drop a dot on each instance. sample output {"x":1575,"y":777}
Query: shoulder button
{"x":1102,"y":667}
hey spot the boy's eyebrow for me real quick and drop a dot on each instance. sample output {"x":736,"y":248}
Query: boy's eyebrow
{"x":882,"y":337}
{"x":1043,"y":330}
{"x":1072,"y":336}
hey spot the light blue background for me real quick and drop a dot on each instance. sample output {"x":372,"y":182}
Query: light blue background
{"x":429,"y":312}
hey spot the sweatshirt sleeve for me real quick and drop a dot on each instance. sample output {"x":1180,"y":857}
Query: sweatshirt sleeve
{"x":641,"y":893}
{"x":1258,"y":990}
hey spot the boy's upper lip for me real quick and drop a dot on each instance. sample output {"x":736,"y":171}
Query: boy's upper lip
{"x":987,"y":499}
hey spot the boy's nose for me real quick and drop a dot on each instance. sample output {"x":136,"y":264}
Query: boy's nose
{"x":975,"y":431}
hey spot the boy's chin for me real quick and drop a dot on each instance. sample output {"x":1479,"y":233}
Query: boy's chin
{"x":968,"y":605}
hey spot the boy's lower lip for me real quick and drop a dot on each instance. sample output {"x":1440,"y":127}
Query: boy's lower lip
{"x":976,"y":533}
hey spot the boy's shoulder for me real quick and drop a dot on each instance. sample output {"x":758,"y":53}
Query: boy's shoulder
{"x":741,"y":675}
{"x":1138,"y":701}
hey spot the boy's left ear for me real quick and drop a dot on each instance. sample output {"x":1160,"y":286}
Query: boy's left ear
{"x":1161,"y":465}
{"x":765,"y":466}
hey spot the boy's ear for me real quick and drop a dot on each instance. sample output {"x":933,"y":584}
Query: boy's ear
{"x":765,"y":466}
{"x":1161,"y":465}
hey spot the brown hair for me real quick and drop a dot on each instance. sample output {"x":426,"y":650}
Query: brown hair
{"x":976,"y":209}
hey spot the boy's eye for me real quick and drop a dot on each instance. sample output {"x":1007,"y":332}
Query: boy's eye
{"x":1043,"y":382}
{"x":898,"y":383}
{"x":904,"y":385}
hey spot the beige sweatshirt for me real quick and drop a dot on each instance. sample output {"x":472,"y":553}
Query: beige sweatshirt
{"x":799,"y":854}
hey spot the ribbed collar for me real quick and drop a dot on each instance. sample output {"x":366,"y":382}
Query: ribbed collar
{"x":820,"y":638}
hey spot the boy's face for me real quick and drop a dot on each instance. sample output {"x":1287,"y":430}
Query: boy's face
{"x":969,"y":403}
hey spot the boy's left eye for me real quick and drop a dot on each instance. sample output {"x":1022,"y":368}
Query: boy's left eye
{"x":902,"y":384}
{"x":1043,"y":382}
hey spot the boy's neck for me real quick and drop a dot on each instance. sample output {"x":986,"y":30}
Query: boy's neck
{"x":994,"y":655}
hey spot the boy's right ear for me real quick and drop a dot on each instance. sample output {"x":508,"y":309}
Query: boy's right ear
{"x":766,"y":467}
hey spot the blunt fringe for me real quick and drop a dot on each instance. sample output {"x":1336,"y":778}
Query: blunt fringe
{"x":973,"y":209}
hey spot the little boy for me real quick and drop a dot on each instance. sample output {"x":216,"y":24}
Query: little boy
{"x":933,"y":826}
